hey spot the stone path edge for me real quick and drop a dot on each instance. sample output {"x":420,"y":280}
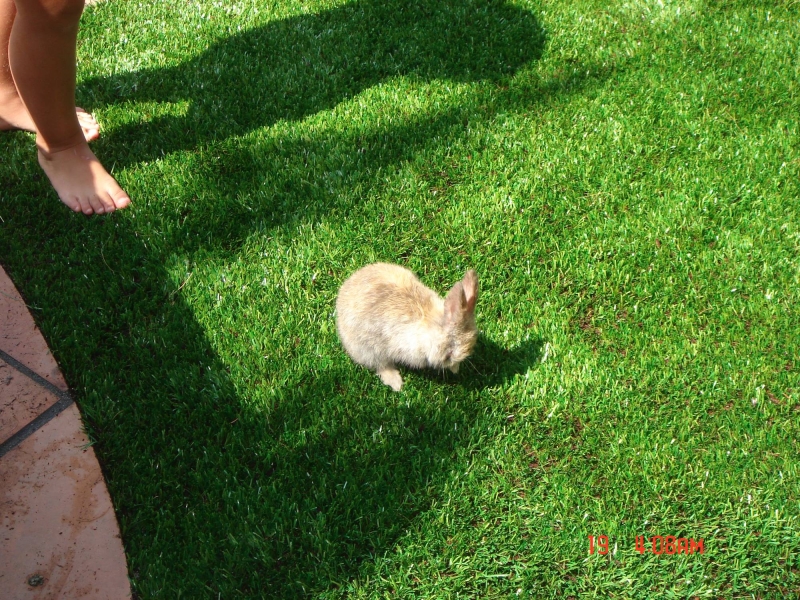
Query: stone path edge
{"x":58,"y":526}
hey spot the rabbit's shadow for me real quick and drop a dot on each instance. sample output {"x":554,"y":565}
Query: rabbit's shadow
{"x":490,"y":364}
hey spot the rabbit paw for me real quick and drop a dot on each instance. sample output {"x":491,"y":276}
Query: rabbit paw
{"x":391,"y":377}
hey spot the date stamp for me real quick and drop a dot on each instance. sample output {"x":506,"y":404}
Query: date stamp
{"x":657,"y":544}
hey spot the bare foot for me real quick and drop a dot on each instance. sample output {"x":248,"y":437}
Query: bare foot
{"x":81,"y":181}
{"x":14,"y":115}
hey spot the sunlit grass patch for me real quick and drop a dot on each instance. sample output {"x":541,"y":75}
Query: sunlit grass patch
{"x":624,"y":178}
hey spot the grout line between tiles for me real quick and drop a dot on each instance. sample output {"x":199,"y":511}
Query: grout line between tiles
{"x":64,"y":401}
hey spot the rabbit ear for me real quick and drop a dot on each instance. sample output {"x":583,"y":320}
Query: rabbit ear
{"x":455,"y":303}
{"x":470,"y":285}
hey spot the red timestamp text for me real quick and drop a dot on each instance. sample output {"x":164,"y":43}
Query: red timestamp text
{"x":657,"y":544}
{"x":669,"y":544}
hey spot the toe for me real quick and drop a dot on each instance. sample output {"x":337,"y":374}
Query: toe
{"x":84,"y":117}
{"x":118,"y":196}
{"x":86,"y":208}
{"x":89,"y":125}
{"x":97,"y":205}
{"x":108,"y":204}
{"x":72,"y":203}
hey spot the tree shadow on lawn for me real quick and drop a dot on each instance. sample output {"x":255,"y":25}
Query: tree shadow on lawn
{"x":243,"y":188}
{"x":215,"y":496}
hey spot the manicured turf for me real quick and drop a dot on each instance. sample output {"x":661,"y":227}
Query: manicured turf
{"x":624,"y":178}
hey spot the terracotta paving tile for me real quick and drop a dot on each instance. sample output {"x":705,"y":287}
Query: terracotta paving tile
{"x":57,"y":524}
{"x":56,"y":519}
{"x":21,"y":400}
{"x":21,"y":339}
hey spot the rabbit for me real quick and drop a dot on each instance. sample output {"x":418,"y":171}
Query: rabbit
{"x":386,"y":317}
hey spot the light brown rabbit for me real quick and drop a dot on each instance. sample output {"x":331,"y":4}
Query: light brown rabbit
{"x":386,"y":317}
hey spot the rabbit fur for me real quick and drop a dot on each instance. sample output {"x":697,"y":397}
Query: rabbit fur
{"x":386,"y":317}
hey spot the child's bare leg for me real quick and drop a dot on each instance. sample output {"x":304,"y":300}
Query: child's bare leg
{"x":42,"y":59}
{"x":13,"y":114}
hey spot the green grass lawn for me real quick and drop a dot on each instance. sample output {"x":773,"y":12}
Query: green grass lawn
{"x":625,"y":178}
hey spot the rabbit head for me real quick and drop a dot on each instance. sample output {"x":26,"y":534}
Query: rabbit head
{"x":461,"y":333}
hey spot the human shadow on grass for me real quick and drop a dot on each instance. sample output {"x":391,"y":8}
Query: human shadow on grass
{"x":295,"y":67}
{"x":246,"y":188}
